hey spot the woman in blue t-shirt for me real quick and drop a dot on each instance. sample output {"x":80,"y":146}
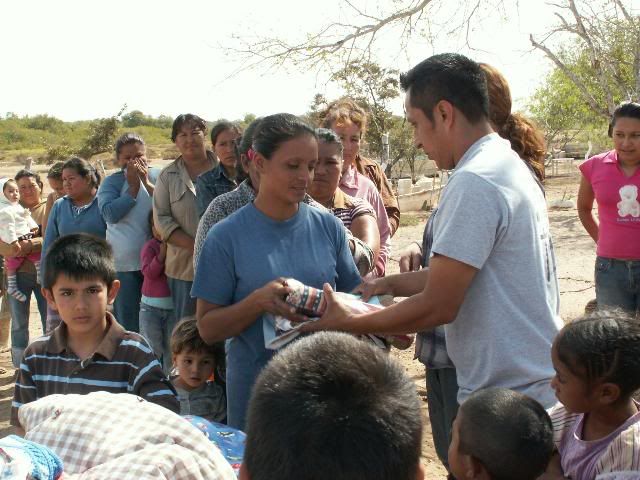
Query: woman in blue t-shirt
{"x":239,"y":278}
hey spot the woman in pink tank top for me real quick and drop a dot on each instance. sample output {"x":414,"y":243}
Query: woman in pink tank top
{"x":612,"y":179}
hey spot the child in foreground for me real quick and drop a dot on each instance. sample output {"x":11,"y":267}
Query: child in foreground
{"x":196,"y":362}
{"x":332,"y":407}
{"x":597,"y":424}
{"x":500,"y":434}
{"x":16,"y":224}
{"x":89,"y":351}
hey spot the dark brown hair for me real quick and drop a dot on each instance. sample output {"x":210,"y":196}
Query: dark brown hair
{"x":525,"y":137}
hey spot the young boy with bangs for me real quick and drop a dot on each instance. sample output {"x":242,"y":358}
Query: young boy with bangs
{"x":89,"y":351}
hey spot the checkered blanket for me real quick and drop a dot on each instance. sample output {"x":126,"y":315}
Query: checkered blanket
{"x":104,"y":435}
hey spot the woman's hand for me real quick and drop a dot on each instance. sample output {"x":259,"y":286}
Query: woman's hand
{"x":142,"y":169}
{"x":133,"y":179}
{"x":270,"y":299}
{"x":16,"y":250}
{"x":162,"y":254}
{"x":411,"y":258}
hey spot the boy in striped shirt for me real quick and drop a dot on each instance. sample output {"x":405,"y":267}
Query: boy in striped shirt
{"x":89,"y":350}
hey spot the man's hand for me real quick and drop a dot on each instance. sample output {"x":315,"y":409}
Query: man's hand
{"x":336,"y":316}
{"x":411,"y":258}
{"x":376,"y":286}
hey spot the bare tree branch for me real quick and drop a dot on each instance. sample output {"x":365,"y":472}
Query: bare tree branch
{"x":623,"y":9}
{"x":593,"y":103}
{"x":316,"y":48}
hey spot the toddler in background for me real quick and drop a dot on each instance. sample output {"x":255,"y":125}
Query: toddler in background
{"x":16,"y":224}
{"x":157,"y":317}
{"x":597,"y":424}
{"x":196,"y":362}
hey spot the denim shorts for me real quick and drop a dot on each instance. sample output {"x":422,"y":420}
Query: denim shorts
{"x":618,"y":284}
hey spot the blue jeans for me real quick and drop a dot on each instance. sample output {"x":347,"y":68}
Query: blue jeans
{"x":156,"y":325}
{"x":618,"y":284}
{"x":183,"y":304}
{"x":20,"y":315}
{"x":442,"y":400}
{"x":126,"y":307}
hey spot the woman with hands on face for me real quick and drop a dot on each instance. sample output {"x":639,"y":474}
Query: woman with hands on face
{"x":125,"y":201}
{"x":245,"y":258}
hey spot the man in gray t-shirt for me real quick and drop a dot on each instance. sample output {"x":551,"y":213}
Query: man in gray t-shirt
{"x":492,"y":277}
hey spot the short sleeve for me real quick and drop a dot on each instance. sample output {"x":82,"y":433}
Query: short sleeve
{"x":586,"y":168}
{"x":346,"y":270}
{"x":25,"y":390}
{"x":471,"y":218}
{"x":215,"y":279}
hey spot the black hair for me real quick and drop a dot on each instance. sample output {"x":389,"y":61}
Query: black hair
{"x":243,"y":146}
{"x":55,"y":171}
{"x":79,"y":256}
{"x":326,"y":135}
{"x":603,"y":346}
{"x":276,"y":129}
{"x":7,"y":182}
{"x":624,"y":110}
{"x":510,"y":433}
{"x":331,"y":406}
{"x":222,"y":126}
{"x":451,"y":77}
{"x":128,"y":138}
{"x":187,"y":119}
{"x":246,"y":141}
{"x":84,"y":169}
{"x":25,"y":173}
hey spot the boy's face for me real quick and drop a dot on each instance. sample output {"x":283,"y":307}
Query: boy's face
{"x":82,"y":304}
{"x":456,"y":459}
{"x":462,"y":465}
{"x":194,"y":368}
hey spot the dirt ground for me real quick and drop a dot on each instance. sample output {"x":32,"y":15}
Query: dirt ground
{"x":575,"y":253}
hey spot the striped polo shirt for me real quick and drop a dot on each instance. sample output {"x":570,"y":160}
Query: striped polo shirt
{"x":348,"y":208}
{"x":123,"y":363}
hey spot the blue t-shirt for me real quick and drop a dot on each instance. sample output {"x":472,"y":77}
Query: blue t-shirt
{"x":246,"y":251}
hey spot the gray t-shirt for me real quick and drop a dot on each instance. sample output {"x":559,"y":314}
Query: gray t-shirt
{"x":493,"y":216}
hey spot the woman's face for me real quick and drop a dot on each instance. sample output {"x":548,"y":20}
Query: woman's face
{"x":131,"y":152}
{"x":30,"y":191}
{"x":350,"y":135}
{"x":626,"y":140}
{"x":74,"y":184}
{"x":224,"y":148}
{"x":327,"y":172}
{"x":289,"y":172}
{"x":57,"y":186}
{"x":190,"y":142}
